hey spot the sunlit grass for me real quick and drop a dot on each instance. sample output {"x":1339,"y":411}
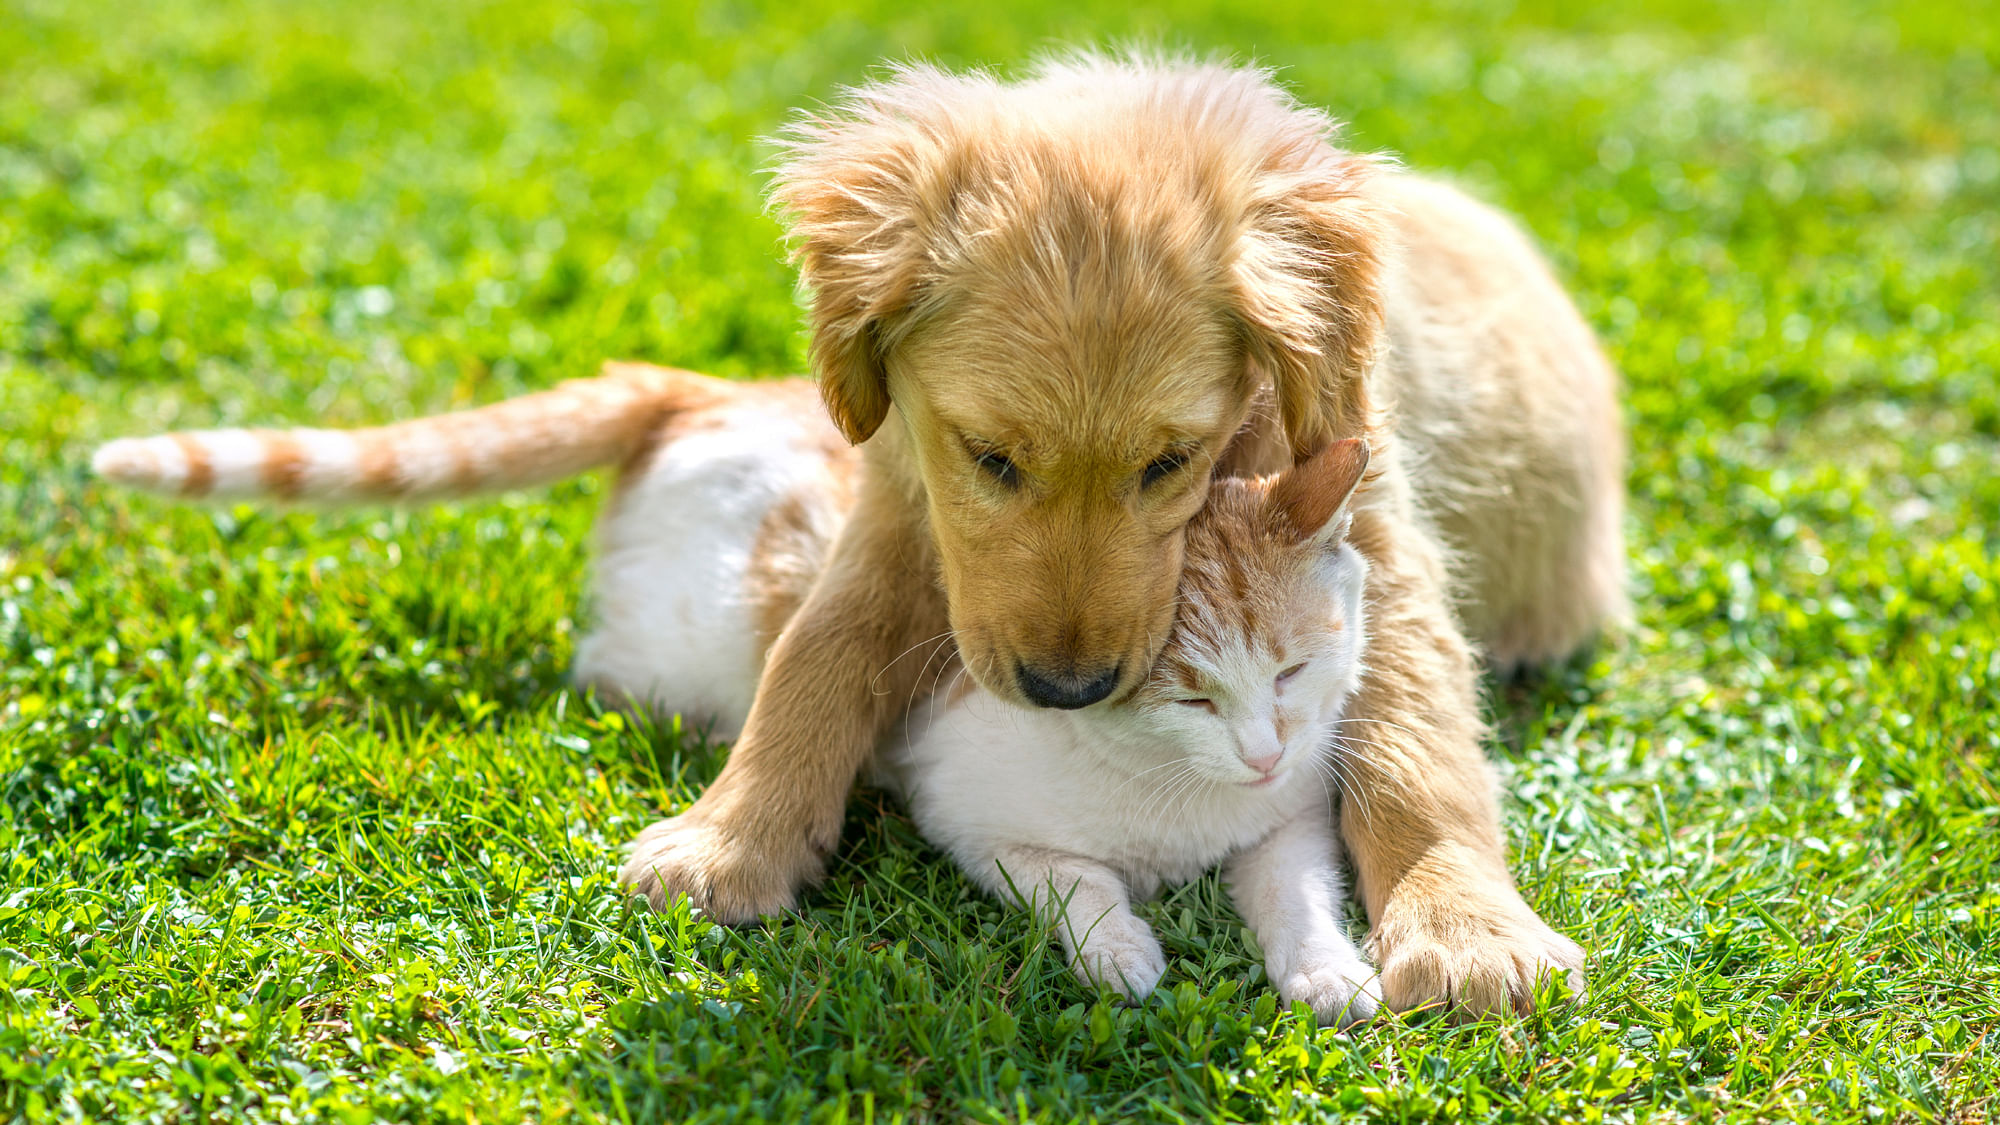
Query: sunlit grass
{"x":301,"y":822}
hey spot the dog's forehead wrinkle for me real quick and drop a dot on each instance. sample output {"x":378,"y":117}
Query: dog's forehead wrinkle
{"x":1083,"y":421}
{"x":1110,"y":325}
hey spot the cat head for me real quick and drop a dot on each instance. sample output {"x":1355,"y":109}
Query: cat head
{"x":1268,"y":637}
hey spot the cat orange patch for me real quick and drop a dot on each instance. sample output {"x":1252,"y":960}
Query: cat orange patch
{"x":200,"y":472}
{"x":284,"y":464}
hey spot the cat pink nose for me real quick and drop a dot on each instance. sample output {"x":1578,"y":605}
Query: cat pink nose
{"x":1265,"y":763}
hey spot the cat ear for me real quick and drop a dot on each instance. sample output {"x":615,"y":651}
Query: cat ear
{"x":1312,"y":496}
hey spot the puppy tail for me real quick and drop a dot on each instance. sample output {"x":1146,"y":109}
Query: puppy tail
{"x":533,"y":439}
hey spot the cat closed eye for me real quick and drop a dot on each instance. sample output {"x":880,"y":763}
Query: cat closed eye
{"x":1290,"y":672}
{"x":1207,"y":705}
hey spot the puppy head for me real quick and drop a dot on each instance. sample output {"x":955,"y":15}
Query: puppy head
{"x":1070,"y":287}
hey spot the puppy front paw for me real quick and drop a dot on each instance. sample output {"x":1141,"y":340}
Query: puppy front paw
{"x":1479,"y":951}
{"x":732,"y":877}
{"x":1123,"y":955}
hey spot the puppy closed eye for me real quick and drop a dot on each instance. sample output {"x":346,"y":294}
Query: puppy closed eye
{"x":1164,"y":466}
{"x":996,"y":464}
{"x":1207,"y":705}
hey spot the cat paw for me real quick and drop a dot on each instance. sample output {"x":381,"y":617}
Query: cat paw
{"x":1477,"y":953}
{"x":1340,"y":988}
{"x":730,"y":878}
{"x":1125,"y":958}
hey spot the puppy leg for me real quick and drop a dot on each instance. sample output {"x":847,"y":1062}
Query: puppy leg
{"x":1421,"y":819}
{"x":837,"y":676}
{"x":1288,"y":889}
{"x":1091,"y":909}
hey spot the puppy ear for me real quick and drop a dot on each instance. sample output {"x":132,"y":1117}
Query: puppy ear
{"x":853,"y":186}
{"x":1312,"y":498}
{"x":1308,"y":280}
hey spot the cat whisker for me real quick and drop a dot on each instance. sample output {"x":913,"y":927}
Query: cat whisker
{"x":1127,"y":783}
{"x":1345,"y":782}
{"x":1157,"y":796}
{"x":874,"y":685}
{"x":1183,"y":797}
{"x":1359,"y":796}
{"x":1186,"y":795}
{"x":1326,"y":784}
{"x":911,"y":703}
{"x":1169,"y":792}
{"x":957,"y":674}
{"x":1188,"y":798}
{"x":1380,"y":723}
{"x":1343,"y":745}
{"x":1346,"y":740}
{"x":1357,"y":764}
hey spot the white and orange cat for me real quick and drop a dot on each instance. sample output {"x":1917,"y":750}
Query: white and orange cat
{"x":730,"y":498}
{"x":1223,"y":755}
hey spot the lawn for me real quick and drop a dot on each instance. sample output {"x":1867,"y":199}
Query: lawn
{"x":301,"y":822}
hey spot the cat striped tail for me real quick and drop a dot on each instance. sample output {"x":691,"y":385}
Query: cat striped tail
{"x":533,"y":439}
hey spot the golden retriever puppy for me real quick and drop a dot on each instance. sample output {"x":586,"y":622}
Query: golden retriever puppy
{"x":1053,"y":310}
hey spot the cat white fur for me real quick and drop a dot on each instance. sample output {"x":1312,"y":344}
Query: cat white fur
{"x":675,"y":624}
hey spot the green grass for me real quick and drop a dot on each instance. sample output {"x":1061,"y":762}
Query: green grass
{"x":301,"y":823}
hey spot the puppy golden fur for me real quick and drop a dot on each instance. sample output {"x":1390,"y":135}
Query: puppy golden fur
{"x":1051,"y":310}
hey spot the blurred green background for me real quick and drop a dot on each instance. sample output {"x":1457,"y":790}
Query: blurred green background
{"x":301,"y":823}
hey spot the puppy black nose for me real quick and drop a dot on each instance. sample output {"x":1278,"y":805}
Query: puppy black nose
{"x":1066,"y":692}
